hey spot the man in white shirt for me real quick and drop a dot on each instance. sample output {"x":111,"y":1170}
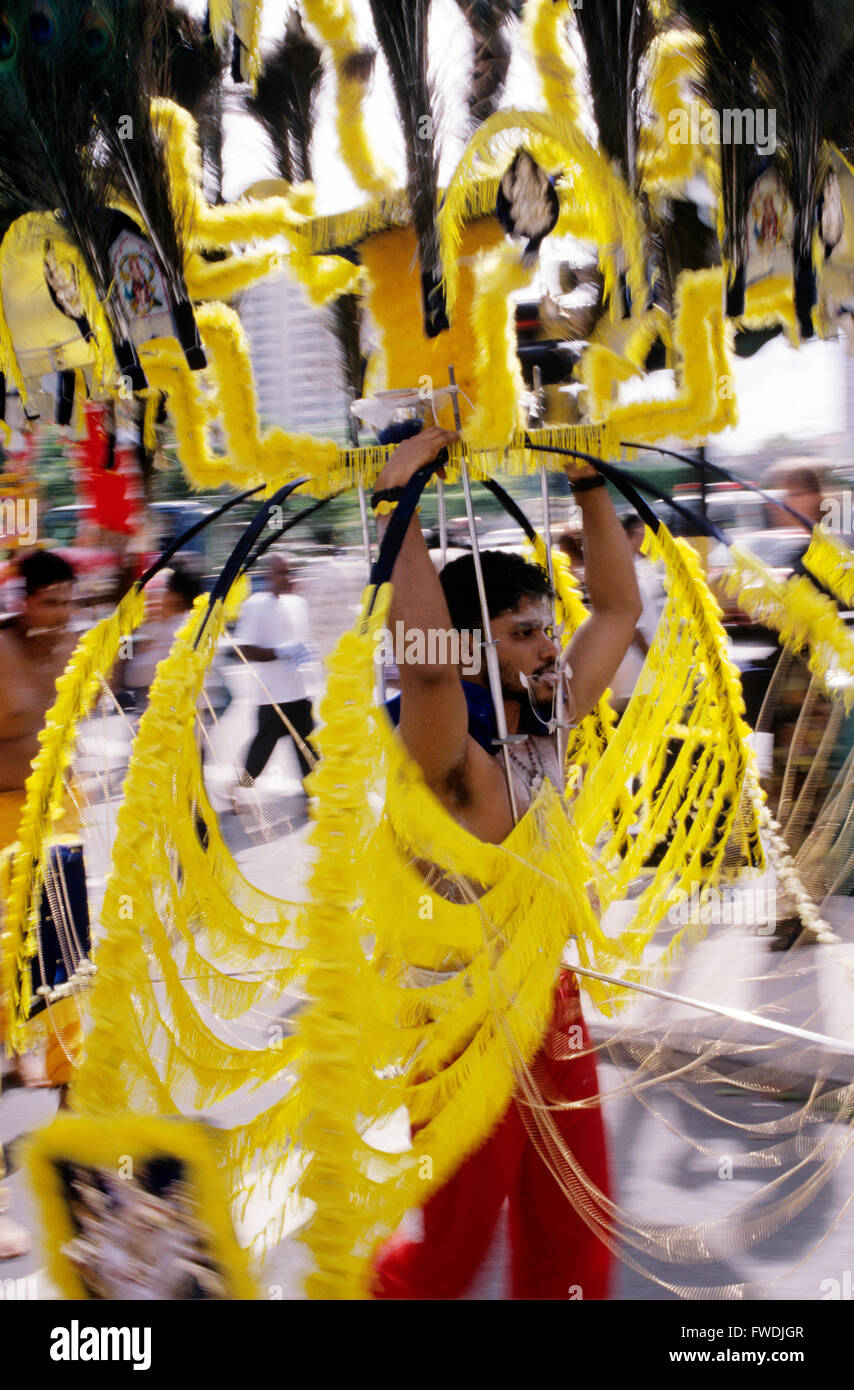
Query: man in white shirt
{"x":273,"y":634}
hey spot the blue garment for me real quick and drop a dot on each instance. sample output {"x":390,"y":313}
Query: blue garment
{"x":482,"y":725}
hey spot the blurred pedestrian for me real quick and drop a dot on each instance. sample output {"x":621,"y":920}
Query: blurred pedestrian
{"x":273,"y":635}
{"x":570,"y":543}
{"x":801,"y":486}
{"x":152,"y":642}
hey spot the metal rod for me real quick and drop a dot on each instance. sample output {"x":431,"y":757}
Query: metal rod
{"x":379,"y":667}
{"x":560,"y":697}
{"x":492,"y":671}
{"x":443,"y":514}
{"x":366,"y":530}
{"x":723,"y":1010}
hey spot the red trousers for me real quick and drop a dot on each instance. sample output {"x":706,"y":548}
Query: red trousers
{"x":553,"y":1253}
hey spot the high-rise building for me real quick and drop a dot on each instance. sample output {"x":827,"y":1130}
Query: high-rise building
{"x":294,"y":357}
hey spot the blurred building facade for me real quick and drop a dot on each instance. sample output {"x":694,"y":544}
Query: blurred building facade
{"x":294,"y":358}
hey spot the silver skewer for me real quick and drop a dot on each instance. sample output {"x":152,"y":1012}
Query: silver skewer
{"x":379,"y":668}
{"x":492,"y":670}
{"x":560,"y":696}
{"x":366,"y":531}
{"x":722,"y":1010}
{"x":443,"y":515}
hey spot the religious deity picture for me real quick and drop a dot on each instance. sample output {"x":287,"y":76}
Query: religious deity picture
{"x":135,"y":1210}
{"x":770,"y":216}
{"x":138,"y":277}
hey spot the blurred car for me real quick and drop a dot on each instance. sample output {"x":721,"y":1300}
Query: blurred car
{"x":727,"y":506}
{"x":510,"y":538}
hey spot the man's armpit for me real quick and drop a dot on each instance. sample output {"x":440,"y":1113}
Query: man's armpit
{"x":456,"y":786}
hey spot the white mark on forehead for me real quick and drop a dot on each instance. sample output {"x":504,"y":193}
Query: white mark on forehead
{"x":531,"y":612}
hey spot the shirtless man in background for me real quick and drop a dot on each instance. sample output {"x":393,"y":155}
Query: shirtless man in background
{"x":34,"y":649}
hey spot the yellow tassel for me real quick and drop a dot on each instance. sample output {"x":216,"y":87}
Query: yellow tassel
{"x":832,"y":563}
{"x":544,"y":35}
{"x":498,"y":377}
{"x":800,"y":613}
{"x":335,"y":22}
{"x":706,"y":399}
{"x":76,"y":690}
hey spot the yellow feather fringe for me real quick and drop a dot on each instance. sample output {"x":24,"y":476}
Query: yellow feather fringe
{"x":335,"y":22}
{"x":800,"y":613}
{"x":544,"y":34}
{"x":706,"y":399}
{"x":498,"y":377}
{"x":832,"y":563}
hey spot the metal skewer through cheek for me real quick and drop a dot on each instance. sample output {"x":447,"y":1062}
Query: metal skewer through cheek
{"x":492,"y":670}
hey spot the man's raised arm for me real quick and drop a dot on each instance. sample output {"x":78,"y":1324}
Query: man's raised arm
{"x":600,"y":644}
{"x":433,"y":713}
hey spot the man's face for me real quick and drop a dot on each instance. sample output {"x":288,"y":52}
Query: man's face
{"x":526,"y":649}
{"x":49,"y":607}
{"x":280,"y":577}
{"x":803,"y":500}
{"x":635,"y":535}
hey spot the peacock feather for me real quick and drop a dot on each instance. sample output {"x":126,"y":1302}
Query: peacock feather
{"x":284,"y":98}
{"x":401,"y":27}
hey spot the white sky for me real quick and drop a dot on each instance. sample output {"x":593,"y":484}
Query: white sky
{"x":247,"y":156}
{"x":780,"y":391}
{"x":786,"y":391}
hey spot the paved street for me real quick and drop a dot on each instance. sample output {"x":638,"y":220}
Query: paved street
{"x":673,"y":1160}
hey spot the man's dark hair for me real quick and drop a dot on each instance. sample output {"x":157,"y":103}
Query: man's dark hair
{"x":184,"y":580}
{"x":632,"y":522}
{"x":571,"y":545}
{"x":507,"y":578}
{"x":41,"y":568}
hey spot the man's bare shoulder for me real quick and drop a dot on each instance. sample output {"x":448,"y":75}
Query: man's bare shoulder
{"x":14,"y":653}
